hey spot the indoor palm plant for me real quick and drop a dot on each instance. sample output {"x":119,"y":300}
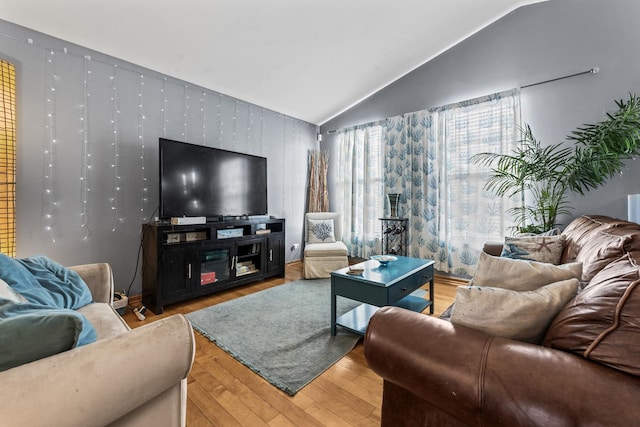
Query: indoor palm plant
{"x":544,"y":174}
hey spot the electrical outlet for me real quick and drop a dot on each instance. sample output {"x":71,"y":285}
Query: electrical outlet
{"x":295,"y":246}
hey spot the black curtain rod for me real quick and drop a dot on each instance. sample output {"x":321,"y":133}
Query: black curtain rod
{"x":593,"y":70}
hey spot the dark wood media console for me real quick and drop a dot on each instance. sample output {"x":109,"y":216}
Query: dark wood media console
{"x":182,"y":262}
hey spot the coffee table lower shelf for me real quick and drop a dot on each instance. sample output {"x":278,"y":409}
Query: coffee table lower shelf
{"x":357,"y":319}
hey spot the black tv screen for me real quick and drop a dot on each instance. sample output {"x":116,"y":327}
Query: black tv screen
{"x":203,"y":181}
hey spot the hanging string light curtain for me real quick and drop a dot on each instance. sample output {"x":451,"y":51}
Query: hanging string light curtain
{"x":318,"y":193}
{"x":131,"y":124}
{"x":7,"y":158}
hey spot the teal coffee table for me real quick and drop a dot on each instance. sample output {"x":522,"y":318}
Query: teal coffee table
{"x":378,"y":286}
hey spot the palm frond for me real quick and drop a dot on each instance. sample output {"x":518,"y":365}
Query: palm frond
{"x":602,"y":148}
{"x":546,"y":173}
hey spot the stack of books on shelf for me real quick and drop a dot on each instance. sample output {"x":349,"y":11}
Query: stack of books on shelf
{"x":245,"y":267}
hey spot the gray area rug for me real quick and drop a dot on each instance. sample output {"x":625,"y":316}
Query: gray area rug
{"x":282,"y":333}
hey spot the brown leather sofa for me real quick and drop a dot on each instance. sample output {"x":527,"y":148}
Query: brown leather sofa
{"x":585,"y":372}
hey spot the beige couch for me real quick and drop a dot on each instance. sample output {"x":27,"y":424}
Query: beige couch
{"x":126,"y":378}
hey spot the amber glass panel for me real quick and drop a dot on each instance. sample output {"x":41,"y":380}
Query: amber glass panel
{"x":7,"y":158}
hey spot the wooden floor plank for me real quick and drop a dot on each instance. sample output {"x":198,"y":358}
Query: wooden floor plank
{"x":281,"y":421}
{"x":327,"y":417}
{"x":352,"y":386}
{"x":239,"y":389}
{"x":207,"y":403}
{"x":269,"y":393}
{"x":337,"y":402}
{"x":224,"y":392}
{"x":195,"y":417}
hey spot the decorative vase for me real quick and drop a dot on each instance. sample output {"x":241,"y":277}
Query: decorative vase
{"x":393,"y":198}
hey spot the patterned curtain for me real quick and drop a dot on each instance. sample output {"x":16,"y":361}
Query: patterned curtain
{"x":360,"y":190}
{"x":427,"y":160}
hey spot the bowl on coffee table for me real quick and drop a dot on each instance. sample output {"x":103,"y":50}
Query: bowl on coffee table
{"x":384,"y":259}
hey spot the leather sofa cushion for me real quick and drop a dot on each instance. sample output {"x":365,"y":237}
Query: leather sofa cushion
{"x":580,"y":231}
{"x":600,"y":249}
{"x":628,"y":229}
{"x":601,"y":322}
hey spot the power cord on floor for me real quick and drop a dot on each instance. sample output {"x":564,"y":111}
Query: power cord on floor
{"x":139,"y":310}
{"x":140,"y":313}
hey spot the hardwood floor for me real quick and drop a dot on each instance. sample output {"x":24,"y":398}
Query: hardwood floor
{"x":223,"y":392}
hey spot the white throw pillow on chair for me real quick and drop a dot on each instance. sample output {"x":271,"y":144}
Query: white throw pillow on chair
{"x":321,"y":231}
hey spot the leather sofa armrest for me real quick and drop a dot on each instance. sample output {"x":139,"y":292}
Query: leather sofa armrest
{"x":99,"y":383}
{"x":429,"y":357}
{"x":484,"y":380}
{"x":99,"y":279}
{"x":492,"y":248}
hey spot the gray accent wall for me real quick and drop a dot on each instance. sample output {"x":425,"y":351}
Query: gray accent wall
{"x":84,"y":197}
{"x":533,"y":43}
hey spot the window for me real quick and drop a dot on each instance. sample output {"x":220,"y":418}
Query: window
{"x":360,"y":190}
{"x":425,"y":157}
{"x":7,"y":159}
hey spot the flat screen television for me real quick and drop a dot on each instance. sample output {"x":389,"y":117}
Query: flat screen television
{"x":196,"y":180}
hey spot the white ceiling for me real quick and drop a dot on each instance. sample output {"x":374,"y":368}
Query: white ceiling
{"x":310,"y":59}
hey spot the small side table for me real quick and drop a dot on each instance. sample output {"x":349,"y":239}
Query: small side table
{"x":394,"y":236}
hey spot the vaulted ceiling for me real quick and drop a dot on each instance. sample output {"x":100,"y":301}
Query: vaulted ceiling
{"x":310,"y":59}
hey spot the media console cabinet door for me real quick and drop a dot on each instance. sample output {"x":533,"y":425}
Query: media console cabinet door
{"x":175,"y":274}
{"x":275,"y":254}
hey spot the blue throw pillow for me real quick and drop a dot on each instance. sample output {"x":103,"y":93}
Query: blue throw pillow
{"x":29,"y":332}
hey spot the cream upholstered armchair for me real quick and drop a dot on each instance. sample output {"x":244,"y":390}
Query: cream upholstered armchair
{"x":324,"y":251}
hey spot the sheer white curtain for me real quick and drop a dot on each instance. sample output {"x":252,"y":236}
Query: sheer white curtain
{"x":428,"y":162}
{"x":360,"y":190}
